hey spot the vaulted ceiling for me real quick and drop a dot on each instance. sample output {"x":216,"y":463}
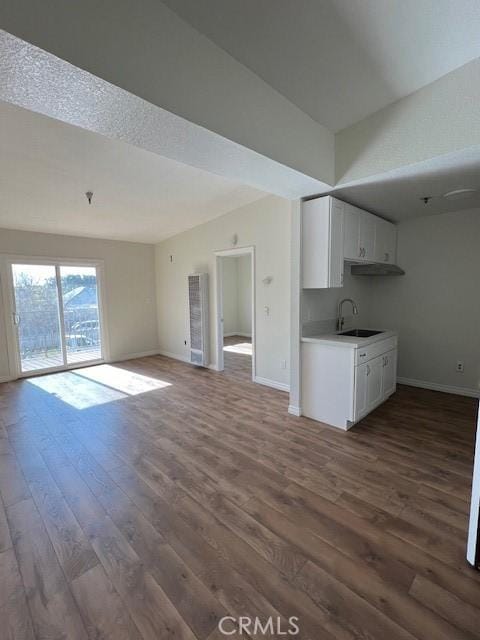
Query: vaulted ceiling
{"x":341,"y":60}
{"x":47,"y":166}
{"x":184,"y":110}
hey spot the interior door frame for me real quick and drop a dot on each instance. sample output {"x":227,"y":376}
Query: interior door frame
{"x":473,"y":540}
{"x":219,"y":255}
{"x":8,"y":292}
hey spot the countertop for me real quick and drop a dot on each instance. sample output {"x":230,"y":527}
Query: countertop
{"x":350,"y":342}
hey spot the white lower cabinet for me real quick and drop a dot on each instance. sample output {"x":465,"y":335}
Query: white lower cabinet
{"x":340,"y":386}
{"x":361,"y":382}
{"x":389,"y":378}
{"x":374,"y":382}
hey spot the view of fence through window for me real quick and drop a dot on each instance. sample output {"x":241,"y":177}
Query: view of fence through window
{"x":46,"y":296}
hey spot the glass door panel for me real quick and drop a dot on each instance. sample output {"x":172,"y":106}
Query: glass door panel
{"x":79,"y":297}
{"x":37,"y":317}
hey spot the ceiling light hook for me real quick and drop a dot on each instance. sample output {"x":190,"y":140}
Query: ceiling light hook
{"x":89,"y":195}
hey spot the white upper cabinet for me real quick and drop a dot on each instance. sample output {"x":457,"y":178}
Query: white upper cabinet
{"x":322,"y":243}
{"x":359,"y":235}
{"x":351,"y":234}
{"x":368,"y":238}
{"x":385,"y":241}
{"x":334,"y":231}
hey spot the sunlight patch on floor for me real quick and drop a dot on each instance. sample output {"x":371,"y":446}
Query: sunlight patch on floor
{"x":122,"y":380}
{"x":245,"y":348}
{"x":92,"y":386}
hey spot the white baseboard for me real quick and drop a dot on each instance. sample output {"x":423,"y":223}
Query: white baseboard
{"x":132,"y":356}
{"x":295,"y":411}
{"x":445,"y":388}
{"x":174,"y":356}
{"x":126,"y":356}
{"x":281,"y":386}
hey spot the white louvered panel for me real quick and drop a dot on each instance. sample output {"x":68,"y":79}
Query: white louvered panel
{"x":195,"y":312}
{"x":198,"y":310}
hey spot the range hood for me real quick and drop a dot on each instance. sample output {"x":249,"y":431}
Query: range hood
{"x":376,"y":269}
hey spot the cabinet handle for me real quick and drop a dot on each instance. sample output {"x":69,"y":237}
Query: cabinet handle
{"x":386,"y":360}
{"x":386,"y":257}
{"x":362,"y":355}
{"x":360,"y":252}
{"x":368,"y":369}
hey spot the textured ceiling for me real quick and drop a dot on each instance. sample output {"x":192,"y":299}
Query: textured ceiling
{"x":398,"y":195}
{"x":46,"y":167}
{"x":41,"y":82}
{"x":341,"y":60}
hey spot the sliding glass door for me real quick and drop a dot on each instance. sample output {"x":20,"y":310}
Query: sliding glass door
{"x":81,"y":317}
{"x":56,"y":316}
{"x":37,"y":316}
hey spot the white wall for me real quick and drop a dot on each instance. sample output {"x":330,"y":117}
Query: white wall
{"x":320,"y":306}
{"x":244,"y":295}
{"x":436,"y":305}
{"x":237,"y":295}
{"x":230,"y":295}
{"x":129,"y":286}
{"x":264,"y":224}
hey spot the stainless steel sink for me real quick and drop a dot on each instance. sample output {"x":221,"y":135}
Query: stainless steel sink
{"x":360,"y":333}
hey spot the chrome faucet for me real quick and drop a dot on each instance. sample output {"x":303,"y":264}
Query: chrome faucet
{"x":340,"y":318}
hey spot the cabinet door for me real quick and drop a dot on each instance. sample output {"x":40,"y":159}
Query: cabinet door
{"x":374,"y":382}
{"x":385,"y":241}
{"x":367,"y":236}
{"x":315,"y":251}
{"x":322,"y":243}
{"x":389,"y":373}
{"x":391,"y":243}
{"x":335,"y":275}
{"x":351,"y":232}
{"x":361,"y":378}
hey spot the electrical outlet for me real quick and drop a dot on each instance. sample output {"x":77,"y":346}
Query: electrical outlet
{"x":283,"y":364}
{"x":459,"y":366}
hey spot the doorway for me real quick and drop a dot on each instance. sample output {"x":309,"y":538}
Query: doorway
{"x":236,"y":312}
{"x":56,"y":316}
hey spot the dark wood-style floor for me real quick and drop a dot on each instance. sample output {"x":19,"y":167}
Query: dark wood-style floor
{"x":150,"y":499}
{"x":238,"y":363}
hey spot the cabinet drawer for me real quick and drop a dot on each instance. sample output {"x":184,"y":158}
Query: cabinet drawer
{"x":364,"y":354}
